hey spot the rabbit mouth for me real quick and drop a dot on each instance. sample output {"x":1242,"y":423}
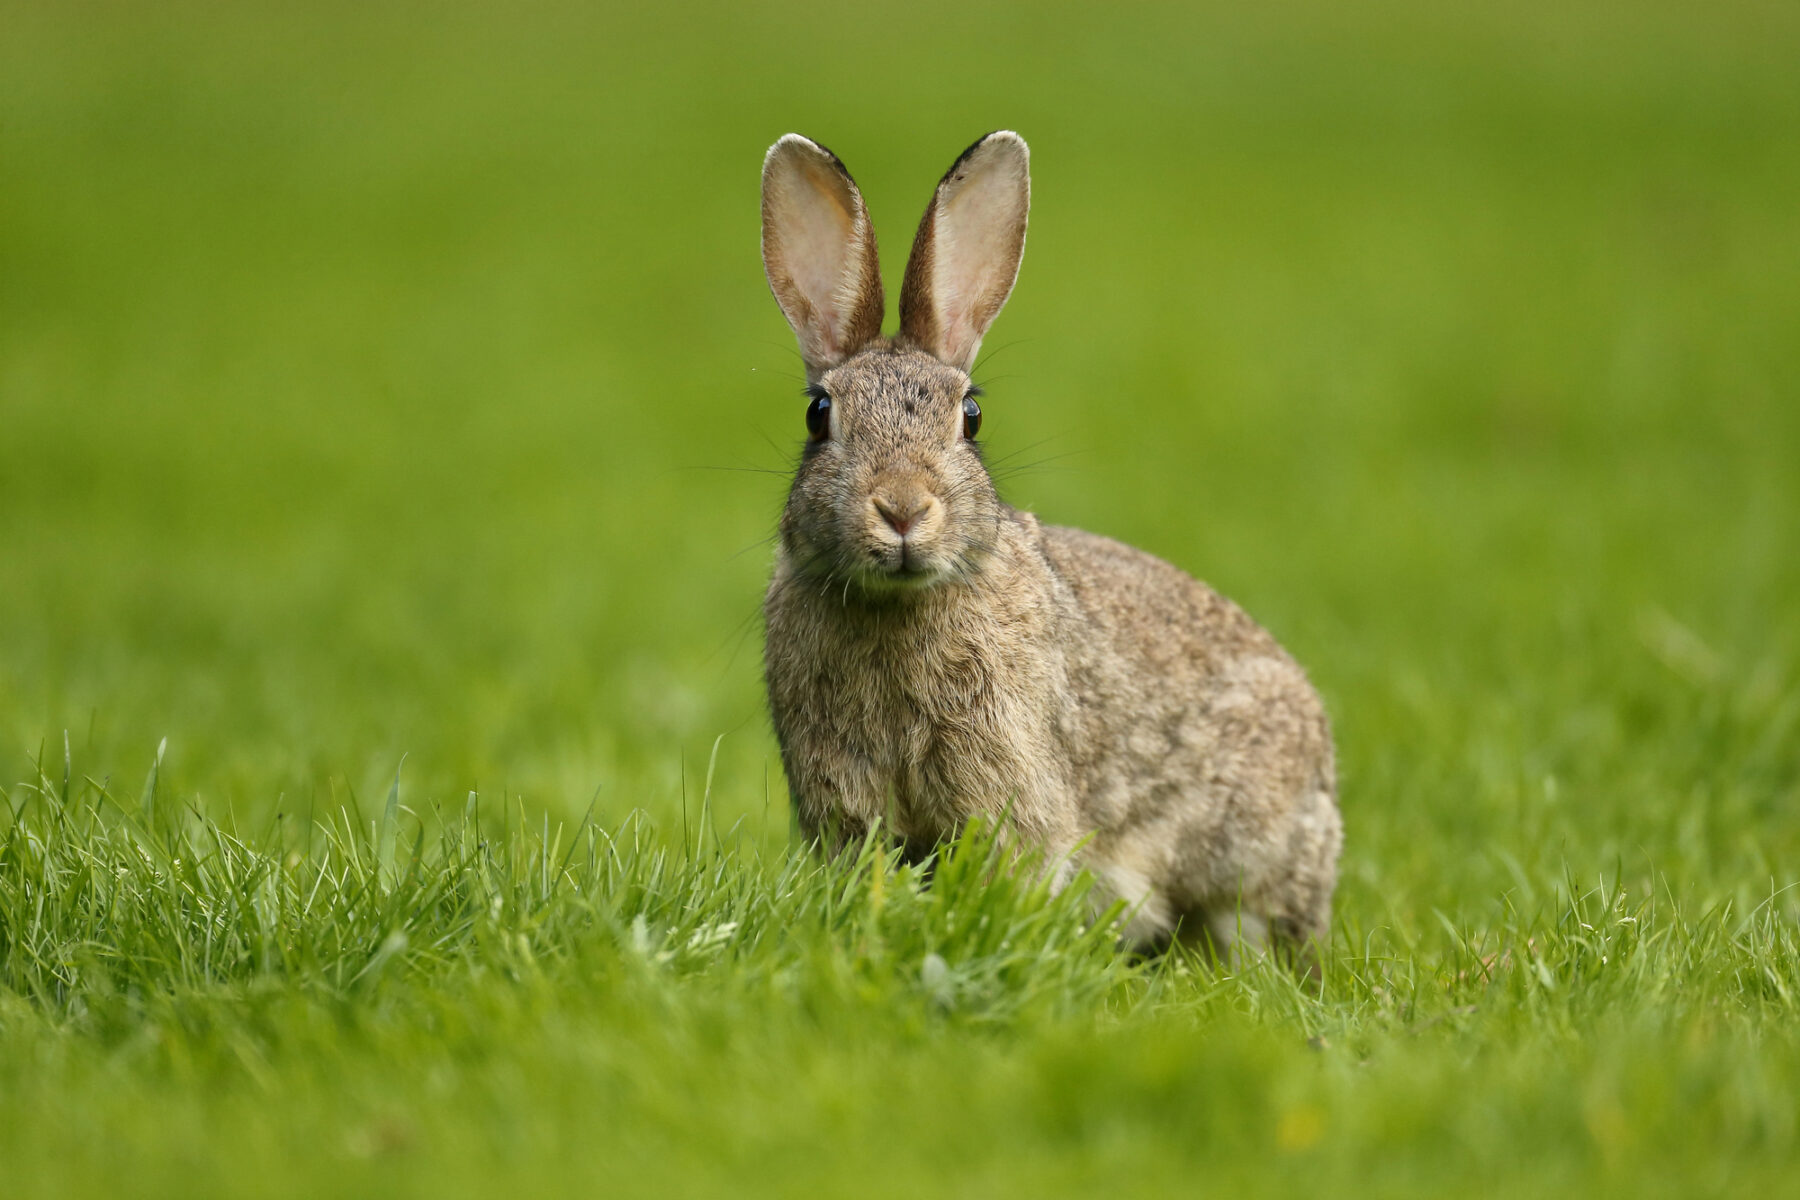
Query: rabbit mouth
{"x":900,"y":582}
{"x":902,"y":566}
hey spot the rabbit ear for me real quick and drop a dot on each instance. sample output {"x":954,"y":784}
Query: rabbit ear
{"x":967,"y":252}
{"x":819,"y":252}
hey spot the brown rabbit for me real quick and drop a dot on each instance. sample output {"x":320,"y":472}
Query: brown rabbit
{"x":935,"y":655}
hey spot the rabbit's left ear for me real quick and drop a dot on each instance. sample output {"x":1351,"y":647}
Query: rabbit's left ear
{"x":966,"y":255}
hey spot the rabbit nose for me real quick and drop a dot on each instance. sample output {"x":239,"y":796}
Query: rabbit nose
{"x":904,"y":513}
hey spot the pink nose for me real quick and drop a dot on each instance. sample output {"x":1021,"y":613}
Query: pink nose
{"x":902,"y":515}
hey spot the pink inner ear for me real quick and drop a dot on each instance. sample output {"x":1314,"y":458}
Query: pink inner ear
{"x":982,"y":221}
{"x":976,"y":258}
{"x":816,"y":238}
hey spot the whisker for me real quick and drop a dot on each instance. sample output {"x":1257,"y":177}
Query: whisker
{"x":737,"y":470}
{"x":739,"y":634}
{"x":1025,"y":449}
{"x":995,"y":352}
{"x":788,"y":349}
{"x":758,"y":544}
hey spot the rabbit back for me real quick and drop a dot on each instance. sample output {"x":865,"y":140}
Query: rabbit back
{"x":1199,"y":752}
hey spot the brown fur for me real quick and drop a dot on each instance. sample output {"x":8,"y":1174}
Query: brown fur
{"x":1102,"y":704}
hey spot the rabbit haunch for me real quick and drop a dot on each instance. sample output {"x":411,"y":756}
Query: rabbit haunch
{"x":934,"y":655}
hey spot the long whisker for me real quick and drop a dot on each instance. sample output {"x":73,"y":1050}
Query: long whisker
{"x":995,"y":352}
{"x":1003,"y":459}
{"x":737,"y":470}
{"x":758,"y":544}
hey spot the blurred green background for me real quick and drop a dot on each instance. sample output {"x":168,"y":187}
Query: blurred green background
{"x":384,"y":380}
{"x":393,"y":379}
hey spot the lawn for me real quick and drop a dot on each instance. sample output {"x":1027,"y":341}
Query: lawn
{"x":393,"y":418}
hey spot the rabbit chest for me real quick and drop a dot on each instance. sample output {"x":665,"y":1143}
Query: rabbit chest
{"x":918,"y":714}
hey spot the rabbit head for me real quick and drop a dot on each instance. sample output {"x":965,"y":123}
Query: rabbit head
{"x":890,"y":493}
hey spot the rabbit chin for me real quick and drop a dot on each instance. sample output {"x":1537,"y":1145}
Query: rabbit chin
{"x":886,"y":571}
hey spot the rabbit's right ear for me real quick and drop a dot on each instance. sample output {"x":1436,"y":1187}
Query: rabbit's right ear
{"x":819,"y":252}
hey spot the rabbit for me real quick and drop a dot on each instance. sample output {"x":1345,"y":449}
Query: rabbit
{"x":933,"y":655}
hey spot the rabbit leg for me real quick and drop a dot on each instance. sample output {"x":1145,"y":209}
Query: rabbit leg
{"x":1149,"y":918}
{"x":1231,"y":935}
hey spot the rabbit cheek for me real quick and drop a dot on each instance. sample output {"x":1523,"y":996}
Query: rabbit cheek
{"x":812,"y":532}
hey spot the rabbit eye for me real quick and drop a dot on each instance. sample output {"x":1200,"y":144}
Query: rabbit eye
{"x":971,"y":416}
{"x":818,"y":415}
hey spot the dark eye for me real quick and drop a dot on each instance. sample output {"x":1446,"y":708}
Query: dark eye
{"x":818,"y":415}
{"x":971,"y":416}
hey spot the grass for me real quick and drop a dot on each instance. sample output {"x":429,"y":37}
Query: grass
{"x":313,"y":1009}
{"x":382,"y":401}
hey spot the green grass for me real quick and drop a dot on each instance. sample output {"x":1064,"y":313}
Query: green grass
{"x":374,"y":384}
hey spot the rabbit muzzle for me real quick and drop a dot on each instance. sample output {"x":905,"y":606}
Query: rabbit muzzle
{"x":903,"y":529}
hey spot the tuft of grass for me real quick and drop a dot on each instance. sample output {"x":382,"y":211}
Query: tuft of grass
{"x":103,"y":908}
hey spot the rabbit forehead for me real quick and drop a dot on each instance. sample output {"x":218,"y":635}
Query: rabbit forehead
{"x":896,"y":380}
